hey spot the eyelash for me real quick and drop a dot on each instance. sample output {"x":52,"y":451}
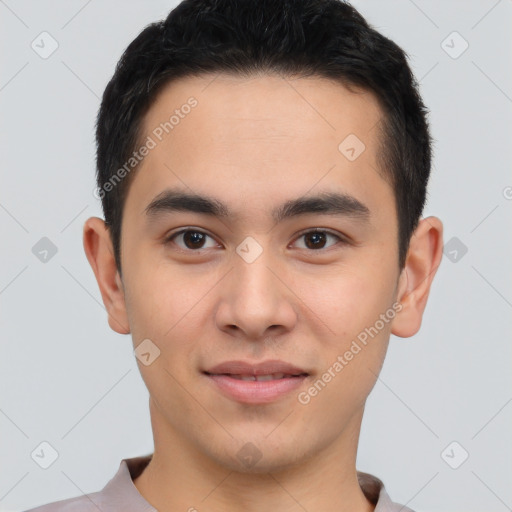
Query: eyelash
{"x":341,"y":240}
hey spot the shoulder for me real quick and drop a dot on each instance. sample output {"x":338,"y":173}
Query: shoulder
{"x":89,"y":503}
{"x":119,"y":494}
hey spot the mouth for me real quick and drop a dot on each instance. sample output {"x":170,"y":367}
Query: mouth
{"x":260,"y":383}
{"x":259,"y":378}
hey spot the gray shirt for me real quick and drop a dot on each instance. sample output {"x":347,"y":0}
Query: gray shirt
{"x":120,"y":493}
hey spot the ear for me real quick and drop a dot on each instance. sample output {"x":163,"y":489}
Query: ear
{"x":423,"y":259}
{"x":100,"y":253}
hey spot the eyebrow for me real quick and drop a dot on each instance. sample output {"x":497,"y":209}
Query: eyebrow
{"x":329,"y":203}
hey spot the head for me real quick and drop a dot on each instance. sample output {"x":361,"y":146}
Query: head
{"x":275,"y":119}
{"x":316,"y":38}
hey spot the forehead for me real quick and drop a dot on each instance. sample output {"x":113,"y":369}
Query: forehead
{"x":230,"y":107}
{"x":260,"y":136}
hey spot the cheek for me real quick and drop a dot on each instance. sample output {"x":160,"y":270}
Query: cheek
{"x":159,"y":310}
{"x":354,"y":351}
{"x":170,"y":307}
{"x":348,"y":302}
{"x":352,"y":359}
{"x":159,"y":298}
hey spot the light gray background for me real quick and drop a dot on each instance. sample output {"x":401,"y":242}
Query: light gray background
{"x":69,"y":380}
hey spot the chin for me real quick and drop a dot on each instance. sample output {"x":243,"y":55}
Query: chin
{"x":261,"y":455}
{"x":262,"y":464}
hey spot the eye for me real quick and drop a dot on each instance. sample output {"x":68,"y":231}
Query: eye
{"x":196,"y":240}
{"x":316,"y":239}
{"x":192,"y":239}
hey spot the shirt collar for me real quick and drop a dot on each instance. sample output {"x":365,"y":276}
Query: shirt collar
{"x":120,"y":492}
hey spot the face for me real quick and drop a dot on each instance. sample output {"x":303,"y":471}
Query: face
{"x":290,"y":266}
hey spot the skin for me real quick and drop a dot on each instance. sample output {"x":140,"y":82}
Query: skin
{"x":254,"y":144}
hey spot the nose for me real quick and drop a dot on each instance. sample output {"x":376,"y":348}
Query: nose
{"x":256,"y":300}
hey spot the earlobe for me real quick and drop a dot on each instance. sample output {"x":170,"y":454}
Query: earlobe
{"x":423,"y":260}
{"x":99,"y":251}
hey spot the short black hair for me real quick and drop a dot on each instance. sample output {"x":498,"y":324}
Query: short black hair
{"x":318,"y":38}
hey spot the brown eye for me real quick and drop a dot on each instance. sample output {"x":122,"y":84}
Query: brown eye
{"x":317,"y":239}
{"x":191,"y":239}
{"x":194,"y":239}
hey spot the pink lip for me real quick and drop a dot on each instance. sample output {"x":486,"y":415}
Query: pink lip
{"x":255,"y":392}
{"x":263,"y":368}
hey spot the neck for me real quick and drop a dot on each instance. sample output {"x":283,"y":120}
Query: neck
{"x":179,"y":477}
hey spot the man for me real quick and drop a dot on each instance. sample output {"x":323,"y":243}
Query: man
{"x":263,"y":169}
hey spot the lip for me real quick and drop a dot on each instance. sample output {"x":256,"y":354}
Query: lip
{"x":262,"y":368}
{"x":224,"y":377}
